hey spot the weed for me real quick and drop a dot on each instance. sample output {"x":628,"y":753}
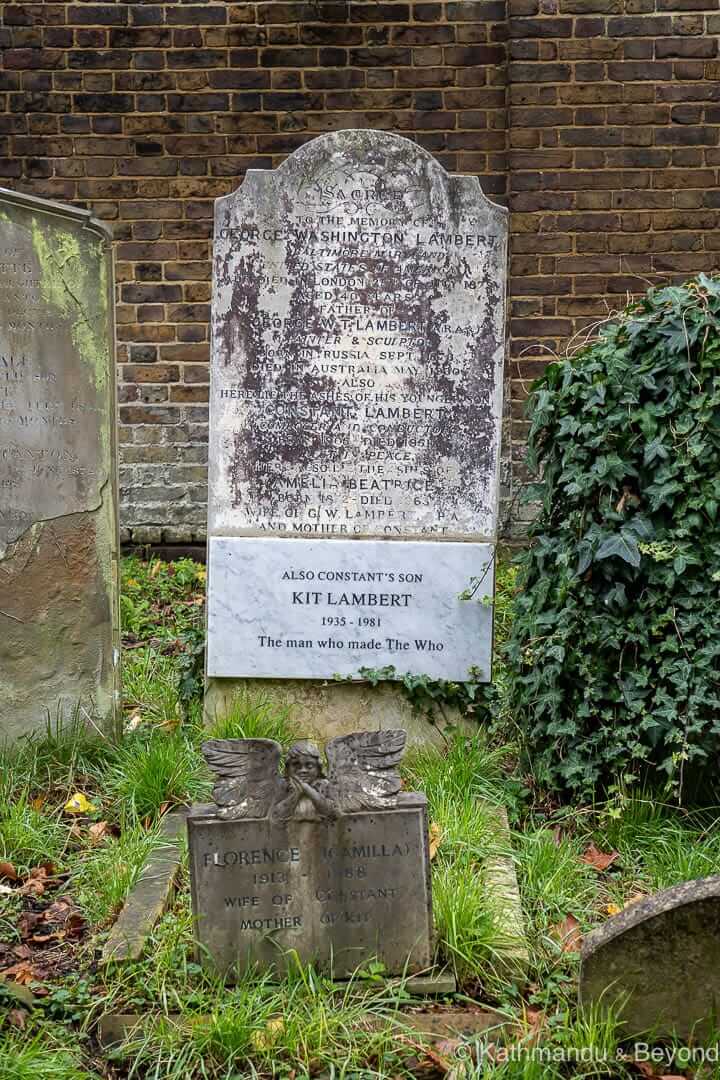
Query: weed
{"x":151,"y":688}
{"x":29,"y":836}
{"x":104,"y":875}
{"x":152,"y":770}
{"x":46,"y":1056}
{"x":256,"y":717}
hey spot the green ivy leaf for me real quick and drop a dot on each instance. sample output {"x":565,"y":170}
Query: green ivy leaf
{"x":623,"y":545}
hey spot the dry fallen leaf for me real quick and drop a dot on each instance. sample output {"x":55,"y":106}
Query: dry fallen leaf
{"x":439,"y":1057}
{"x":78,"y":804}
{"x":38,"y":802}
{"x":599,"y":860}
{"x":34,"y":886}
{"x":98,"y":832}
{"x":613,"y":909}
{"x":134,"y":722}
{"x":7,"y":870}
{"x":569,"y":934}
{"x":26,"y":923}
{"x":22,"y":973}
{"x":18,"y":1018}
{"x":435,"y":838}
{"x":535,"y":1020}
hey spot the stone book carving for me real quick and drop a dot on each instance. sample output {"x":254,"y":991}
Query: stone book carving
{"x":361,"y":775}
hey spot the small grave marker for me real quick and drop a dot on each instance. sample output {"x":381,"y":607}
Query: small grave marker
{"x":658,"y":962}
{"x":333,"y":869}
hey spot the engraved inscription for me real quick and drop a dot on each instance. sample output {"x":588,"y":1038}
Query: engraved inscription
{"x":335,"y":893}
{"x":357,"y":347}
{"x":315,"y":609}
{"x":52,"y":403}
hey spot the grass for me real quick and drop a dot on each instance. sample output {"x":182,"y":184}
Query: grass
{"x":29,"y":836}
{"x":40,"y":1058}
{"x":461,"y":786}
{"x":151,"y":688}
{"x":153,"y":770}
{"x":257,"y":717}
{"x":193,"y":1027}
{"x":305,"y":1024}
{"x":104,"y":875}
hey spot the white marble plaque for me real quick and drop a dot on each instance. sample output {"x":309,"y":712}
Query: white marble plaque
{"x":282,"y":608}
{"x":357,"y":347}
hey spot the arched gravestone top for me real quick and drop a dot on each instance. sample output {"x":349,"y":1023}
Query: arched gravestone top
{"x":658,"y":962}
{"x":358,"y":338}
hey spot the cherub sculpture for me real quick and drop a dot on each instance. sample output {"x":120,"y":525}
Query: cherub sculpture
{"x":362,"y":775}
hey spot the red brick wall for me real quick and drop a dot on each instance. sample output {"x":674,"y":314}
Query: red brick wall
{"x":613,"y":118}
{"x":146,"y":112}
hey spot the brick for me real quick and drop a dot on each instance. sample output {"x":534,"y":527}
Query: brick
{"x":639,"y":26}
{"x":140,"y":38}
{"x":288,"y":57}
{"x":380,"y":12}
{"x":686,"y":47}
{"x":540,"y":28}
{"x":190,"y":394}
{"x":148,"y":294}
{"x":186,"y":353}
{"x":145,"y":414}
{"x":198,"y":102}
{"x":150,"y":373}
{"x":23,"y":59}
{"x":103,"y":103}
{"x":629,"y":72}
{"x":196,"y":14}
{"x":539,"y":72}
{"x":149,"y":111}
{"x":97,"y":14}
{"x":187,"y":271}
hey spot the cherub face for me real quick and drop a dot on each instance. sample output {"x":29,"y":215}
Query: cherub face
{"x":305,"y":768}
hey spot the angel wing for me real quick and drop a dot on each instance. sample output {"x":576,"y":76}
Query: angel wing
{"x":247,"y":771}
{"x":362,"y":767}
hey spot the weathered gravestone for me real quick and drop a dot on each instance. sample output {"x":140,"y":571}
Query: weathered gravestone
{"x":59,"y":632}
{"x":334,"y":869}
{"x":356,"y":383}
{"x":657,"y":963}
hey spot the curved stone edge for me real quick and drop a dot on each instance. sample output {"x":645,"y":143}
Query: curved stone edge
{"x":689,"y":892}
{"x":51,"y":206}
{"x":253,"y":175}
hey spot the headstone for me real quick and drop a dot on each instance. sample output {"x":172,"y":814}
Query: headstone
{"x":657,"y":963}
{"x":356,"y":384}
{"x":331,"y":869}
{"x":59,"y":639}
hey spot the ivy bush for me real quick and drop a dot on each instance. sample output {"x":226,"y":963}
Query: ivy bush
{"x":615,"y":649}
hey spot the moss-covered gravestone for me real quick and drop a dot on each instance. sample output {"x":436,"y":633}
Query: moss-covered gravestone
{"x":59,"y":631}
